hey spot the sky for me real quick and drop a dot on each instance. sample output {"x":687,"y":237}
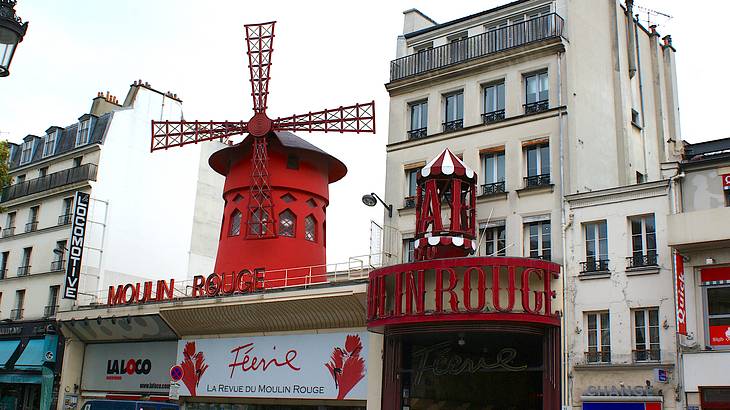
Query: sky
{"x":327,"y":54}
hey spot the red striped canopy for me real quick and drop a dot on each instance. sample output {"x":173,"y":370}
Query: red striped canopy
{"x":446,"y":163}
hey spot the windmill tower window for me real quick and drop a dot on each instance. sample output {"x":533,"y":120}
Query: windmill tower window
{"x":287,"y":223}
{"x":235,"y":228}
{"x":258,"y":222}
{"x":310,"y":228}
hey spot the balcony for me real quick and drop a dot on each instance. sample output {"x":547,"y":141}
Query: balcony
{"x":537,"y":106}
{"x":482,"y":45}
{"x":64,"y":219}
{"x":409,"y":202}
{"x":8,"y":232}
{"x":493,"y":188}
{"x":641,"y":261}
{"x":647,"y":355}
{"x":491,"y":117}
{"x":58,"y":265}
{"x":596,"y":357}
{"x":417,"y":134}
{"x":50,"y":311}
{"x":23,"y":270}
{"x":594,"y":266}
{"x":86,"y":172}
{"x":31,"y":226}
{"x":453,"y":125}
{"x":535,"y":181}
{"x":16,"y":314}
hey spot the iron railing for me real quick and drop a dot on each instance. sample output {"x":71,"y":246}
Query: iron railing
{"x":641,"y":261}
{"x":537,"y":106}
{"x":8,"y":232}
{"x":598,"y":356}
{"x":647,"y":355}
{"x":50,"y":311}
{"x":453,"y":125}
{"x":24,"y":270}
{"x":31,"y":226}
{"x":537,"y":180}
{"x":58,"y":265}
{"x":16,"y":314}
{"x":409,"y":202}
{"x":417,"y":133}
{"x":594,"y":265}
{"x":86,"y":172}
{"x":493,"y":41}
{"x":494,"y":116}
{"x":493,"y":188}
{"x":65,"y":219}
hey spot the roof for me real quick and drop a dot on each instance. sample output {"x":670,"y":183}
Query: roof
{"x":65,"y":143}
{"x":460,"y":19}
{"x":707,"y":148}
{"x":446,"y":163}
{"x":221,"y":160}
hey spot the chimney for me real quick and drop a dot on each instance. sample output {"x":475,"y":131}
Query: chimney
{"x":103,"y":103}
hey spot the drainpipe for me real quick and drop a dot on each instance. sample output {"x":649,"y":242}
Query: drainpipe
{"x":565,"y":362}
{"x":641,"y":101}
{"x":674,"y":208}
{"x":630,"y":31}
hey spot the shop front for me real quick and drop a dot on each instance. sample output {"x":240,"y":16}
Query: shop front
{"x":29,"y":366}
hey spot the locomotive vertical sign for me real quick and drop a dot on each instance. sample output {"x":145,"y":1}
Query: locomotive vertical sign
{"x":76,"y":245}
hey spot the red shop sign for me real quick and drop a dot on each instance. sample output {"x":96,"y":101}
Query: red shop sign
{"x":726,"y":181}
{"x":720,"y":335}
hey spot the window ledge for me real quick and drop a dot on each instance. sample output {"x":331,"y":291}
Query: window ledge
{"x":492,"y":197}
{"x":611,"y":367}
{"x":643,"y":270}
{"x":541,"y":189}
{"x":594,"y":275}
{"x":637,"y":126}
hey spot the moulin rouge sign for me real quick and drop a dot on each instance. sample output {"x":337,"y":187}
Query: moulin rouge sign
{"x":460,"y":288}
{"x":244,"y":281}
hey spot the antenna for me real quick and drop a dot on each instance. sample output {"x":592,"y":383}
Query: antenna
{"x":651,"y":12}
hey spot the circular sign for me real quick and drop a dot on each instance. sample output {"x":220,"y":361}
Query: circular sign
{"x":49,"y":356}
{"x":176,"y":372}
{"x":727,"y":179}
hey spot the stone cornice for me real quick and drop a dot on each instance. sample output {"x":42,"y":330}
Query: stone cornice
{"x":619,"y":194}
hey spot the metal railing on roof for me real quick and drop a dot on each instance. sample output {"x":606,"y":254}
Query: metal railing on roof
{"x":493,"y":41}
{"x":64,"y":177}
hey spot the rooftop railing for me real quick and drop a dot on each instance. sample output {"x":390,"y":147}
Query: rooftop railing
{"x":470,"y":48}
{"x":84,"y":172}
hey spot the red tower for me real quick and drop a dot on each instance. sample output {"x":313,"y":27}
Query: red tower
{"x":277,"y":185}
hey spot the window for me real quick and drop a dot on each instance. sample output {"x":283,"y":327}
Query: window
{"x":24,"y":268}
{"x":493,"y":166}
{"x":423,"y":61}
{"x":235,"y":224}
{"x":596,"y":247}
{"x":643,"y":241}
{"x":599,"y":337}
{"x":411,"y":178}
{"x":77,"y":162}
{"x":26,"y":154}
{"x":646,"y":335}
{"x":493,"y":102}
{"x":32,"y":224}
{"x":52,"y":306}
{"x":288,"y":198}
{"x":635,"y":118}
{"x":408,"y":250}
{"x":17,"y":313}
{"x":310,"y":228}
{"x":536,"y":92}
{"x":58,"y":253}
{"x":454,"y":111}
{"x":640,"y":178}
{"x":20,"y":179}
{"x":727,"y":196}
{"x":537,"y":157}
{"x":42,"y":172}
{"x":495,"y":239}
{"x":292,"y":161}
{"x":82,"y":135}
{"x":310,"y":203}
{"x":11,"y":220}
{"x":287,"y":223}
{"x":49,"y":143}
{"x":4,"y":265}
{"x":419,"y":120}
{"x":717,"y":299}
{"x":258,"y":222}
{"x":538,"y":235}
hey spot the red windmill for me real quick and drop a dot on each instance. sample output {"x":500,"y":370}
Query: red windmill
{"x":271,"y":151}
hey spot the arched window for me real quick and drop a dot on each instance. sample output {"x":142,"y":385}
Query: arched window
{"x":258,"y":222}
{"x":310,"y":228}
{"x":287,"y":223}
{"x":235,"y":224}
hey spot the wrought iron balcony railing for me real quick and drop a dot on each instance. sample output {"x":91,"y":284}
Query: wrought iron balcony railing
{"x":493,"y":188}
{"x":58,"y":265}
{"x":641,"y":261}
{"x":647,"y":355}
{"x":537,"y":106}
{"x":23,"y":270}
{"x":409,"y":202}
{"x":31,"y":226}
{"x":493,"y":41}
{"x":417,"y":133}
{"x":16,"y":314}
{"x":598,"y":356}
{"x":8,"y":232}
{"x":534,"y":181}
{"x":494,"y":116}
{"x":594,"y":265}
{"x":453,"y":125}
{"x":50,"y":311}
{"x":65,"y":219}
{"x":86,"y":172}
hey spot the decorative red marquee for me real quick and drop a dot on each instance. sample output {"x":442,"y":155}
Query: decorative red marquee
{"x":483,"y":288}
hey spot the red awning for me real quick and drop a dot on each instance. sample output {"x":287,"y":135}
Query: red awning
{"x":714,"y":275}
{"x":446,"y":163}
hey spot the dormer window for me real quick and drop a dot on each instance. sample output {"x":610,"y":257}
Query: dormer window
{"x":49,"y":143}
{"x":83,"y":134}
{"x":26,"y":154}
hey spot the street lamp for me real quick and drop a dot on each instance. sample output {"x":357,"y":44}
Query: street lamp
{"x":12,"y":30}
{"x":373,"y":198}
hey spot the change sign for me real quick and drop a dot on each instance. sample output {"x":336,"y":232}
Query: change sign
{"x":76,"y":248}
